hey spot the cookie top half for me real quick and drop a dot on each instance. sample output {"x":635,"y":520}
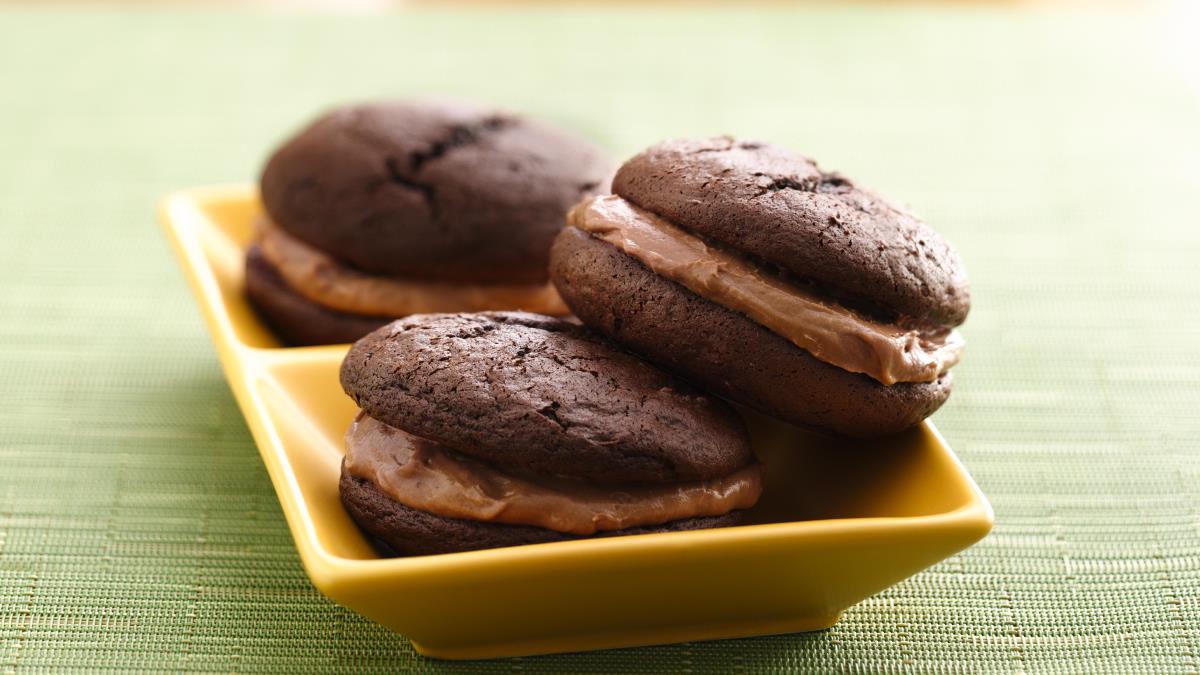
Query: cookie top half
{"x":432,"y":190}
{"x":529,"y":392}
{"x":823,"y":228}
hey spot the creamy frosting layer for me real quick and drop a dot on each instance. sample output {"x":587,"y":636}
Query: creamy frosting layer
{"x":423,"y":475}
{"x":324,"y":280}
{"x":832,"y":333}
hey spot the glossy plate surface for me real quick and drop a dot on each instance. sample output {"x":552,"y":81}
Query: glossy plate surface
{"x":838,"y":522}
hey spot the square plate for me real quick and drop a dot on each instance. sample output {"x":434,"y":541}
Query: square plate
{"x":839,"y":520}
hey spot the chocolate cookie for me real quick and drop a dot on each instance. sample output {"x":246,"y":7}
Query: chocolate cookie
{"x":396,"y":529}
{"x":391,"y":209}
{"x":542,"y":394}
{"x":779,"y":206}
{"x":432,"y":190}
{"x":499,"y":429}
{"x":760,"y":277}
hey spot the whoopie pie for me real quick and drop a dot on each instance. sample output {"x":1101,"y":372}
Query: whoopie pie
{"x":754,"y":274}
{"x":380,"y":210}
{"x":498,"y":429}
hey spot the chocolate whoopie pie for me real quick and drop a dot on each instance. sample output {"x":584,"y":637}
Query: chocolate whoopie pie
{"x":753,"y":273}
{"x":381,"y":210}
{"x":505,"y":428}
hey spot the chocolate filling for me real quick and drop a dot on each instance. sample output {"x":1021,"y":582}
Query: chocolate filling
{"x":327,"y":281}
{"x":835,"y":334}
{"x":423,"y":475}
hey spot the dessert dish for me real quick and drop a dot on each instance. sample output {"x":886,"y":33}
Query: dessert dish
{"x":504,"y":428}
{"x":381,"y":210}
{"x":756,"y":275}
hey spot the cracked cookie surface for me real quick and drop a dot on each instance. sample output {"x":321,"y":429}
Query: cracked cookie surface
{"x":780,"y":207}
{"x":432,"y":189}
{"x":541,"y":394}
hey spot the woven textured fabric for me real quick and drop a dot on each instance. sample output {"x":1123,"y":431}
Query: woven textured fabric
{"x":1059,"y":150}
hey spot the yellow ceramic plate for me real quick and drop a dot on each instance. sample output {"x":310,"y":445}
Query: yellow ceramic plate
{"x":839,"y":521}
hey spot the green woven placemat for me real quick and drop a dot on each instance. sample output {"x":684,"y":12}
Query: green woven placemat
{"x":1059,"y":150}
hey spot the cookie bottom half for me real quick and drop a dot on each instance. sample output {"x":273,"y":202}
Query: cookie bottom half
{"x":726,"y":352}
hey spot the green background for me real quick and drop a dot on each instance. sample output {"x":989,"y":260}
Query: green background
{"x":1060,"y":150}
